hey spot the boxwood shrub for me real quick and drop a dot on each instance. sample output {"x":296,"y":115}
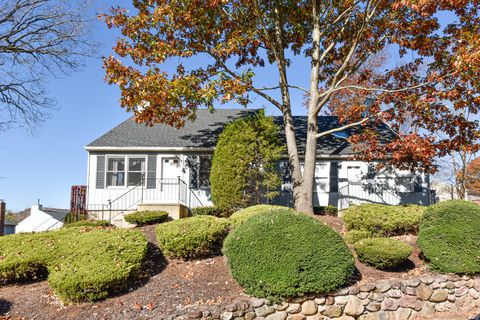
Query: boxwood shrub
{"x":383,"y":253}
{"x":243,"y":215}
{"x":192,"y":237}
{"x":209,"y":211}
{"x":281,"y":254}
{"x":383,"y":220}
{"x":143,"y":218}
{"x":449,"y":237}
{"x":80,"y":264}
{"x":327,"y":210}
{"x":88,"y":223}
{"x":353,"y":236}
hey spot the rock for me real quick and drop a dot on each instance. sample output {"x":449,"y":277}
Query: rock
{"x":309,"y":308}
{"x":383,"y":286}
{"x":280,"y":315}
{"x":195,"y":315}
{"x":264,"y":311}
{"x":354,"y":307}
{"x":465,"y":303}
{"x":227,"y":316}
{"x":319,"y":300}
{"x":297,"y":317}
{"x":461,"y":283}
{"x":374,"y":306}
{"x":450,"y":285}
{"x":329,"y":300}
{"x":410,"y":302}
{"x":280,"y":307}
{"x":342,"y":292}
{"x":257,"y":303}
{"x":390,"y":304}
{"x":395,"y":293}
{"x":250,"y":316}
{"x":238,"y":313}
{"x":363,"y":295}
{"x":396,"y":283}
{"x":445,"y":307}
{"x":409,"y":290}
{"x":333,"y":311}
{"x":242,"y":306}
{"x":424,"y":292}
{"x":353,"y":290}
{"x":473,"y":293}
{"x":381,"y":315}
{"x":427,"y":279}
{"x":231,"y":308}
{"x":367,"y":287}
{"x":477,"y":284}
{"x":461,"y":291}
{"x":345,"y":318}
{"x":413,"y":283}
{"x":400,"y":314}
{"x":294,"y":308}
{"x":341,"y":300}
{"x":378,"y":297}
{"x":439,"y":295}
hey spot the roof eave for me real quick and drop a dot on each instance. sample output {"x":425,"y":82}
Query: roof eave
{"x":160,"y":149}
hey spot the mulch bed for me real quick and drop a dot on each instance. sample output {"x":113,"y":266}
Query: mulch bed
{"x":171,"y":286}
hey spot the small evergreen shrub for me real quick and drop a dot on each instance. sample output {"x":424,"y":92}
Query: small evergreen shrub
{"x":209,"y":211}
{"x":383,"y":220}
{"x":192,"y":237}
{"x":143,"y":218}
{"x":383,"y":253}
{"x":354,"y":236}
{"x":280,"y":254}
{"x":449,"y":237}
{"x":243,"y":215}
{"x":88,"y":223}
{"x":326,"y":211}
{"x":80,"y":264}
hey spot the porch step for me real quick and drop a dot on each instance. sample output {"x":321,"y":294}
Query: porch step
{"x":174,"y":210}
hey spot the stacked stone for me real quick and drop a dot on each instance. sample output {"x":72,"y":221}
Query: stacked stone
{"x":392,"y":299}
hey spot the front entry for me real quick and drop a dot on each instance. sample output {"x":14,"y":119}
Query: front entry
{"x":171,"y":168}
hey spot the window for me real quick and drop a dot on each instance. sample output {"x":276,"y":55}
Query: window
{"x":119,"y":175}
{"x":204,"y":172}
{"x":404,"y":184}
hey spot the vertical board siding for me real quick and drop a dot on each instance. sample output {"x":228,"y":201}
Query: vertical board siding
{"x":100,"y":181}
{"x":152,"y":171}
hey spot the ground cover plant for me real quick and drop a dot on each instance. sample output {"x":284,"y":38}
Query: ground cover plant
{"x":281,"y":253}
{"x":326,"y":210}
{"x":383,"y":253}
{"x":353,"y":236}
{"x":243,"y":215}
{"x":81,"y":264}
{"x":193,"y":237}
{"x":210,"y":211}
{"x":449,"y":237}
{"x":143,"y":218}
{"x":383,"y":220}
{"x":88,"y":223}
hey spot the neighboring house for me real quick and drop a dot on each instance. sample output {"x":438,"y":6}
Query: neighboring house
{"x":9,"y":227}
{"x":134,"y":166}
{"x":42,"y":219}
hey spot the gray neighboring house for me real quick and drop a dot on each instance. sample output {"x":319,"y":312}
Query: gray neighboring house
{"x":137,"y":167}
{"x":9,"y":227}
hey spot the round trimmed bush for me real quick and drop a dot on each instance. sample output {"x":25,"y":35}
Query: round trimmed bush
{"x":192,"y":237}
{"x":209,"y":211}
{"x":143,"y":218}
{"x":89,"y":223}
{"x":383,"y":253}
{"x":354,"y":236}
{"x":384,"y":220}
{"x":449,"y":237}
{"x":282,"y":254}
{"x":243,"y":215}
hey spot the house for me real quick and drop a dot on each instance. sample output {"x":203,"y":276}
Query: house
{"x":42,"y":219}
{"x":9,"y":227}
{"x":134,"y":166}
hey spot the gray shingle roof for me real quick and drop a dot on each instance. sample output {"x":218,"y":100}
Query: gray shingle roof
{"x":204,"y":132}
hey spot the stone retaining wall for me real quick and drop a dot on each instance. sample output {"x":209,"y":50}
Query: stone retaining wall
{"x":386,"y":300}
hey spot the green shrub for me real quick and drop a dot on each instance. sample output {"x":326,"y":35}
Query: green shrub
{"x":209,"y":211}
{"x":88,"y":223}
{"x":353,"y":236}
{"x":143,"y":218}
{"x":384,"y":220}
{"x":282,"y":254}
{"x":192,"y":237}
{"x":243,"y":215}
{"x":327,"y":211}
{"x":382,"y":253}
{"x":81,"y":264}
{"x":449,"y":237}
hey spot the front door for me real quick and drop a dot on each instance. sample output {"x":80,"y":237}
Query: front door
{"x":171,"y":168}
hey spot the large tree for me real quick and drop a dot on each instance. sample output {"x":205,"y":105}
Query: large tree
{"x":38,"y":39}
{"x":215,"y":47}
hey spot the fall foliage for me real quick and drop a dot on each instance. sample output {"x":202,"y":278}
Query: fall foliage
{"x":216,"y":46}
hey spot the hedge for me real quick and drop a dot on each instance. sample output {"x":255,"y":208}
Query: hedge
{"x":281,"y":254}
{"x":193,"y":237}
{"x":80,"y":264}
{"x":209,"y":211}
{"x":356,"y":235}
{"x":384,"y":220}
{"x":327,"y":210}
{"x":449,"y":237}
{"x":88,"y":223}
{"x":243,"y":215}
{"x":143,"y":218}
{"x":383,"y":253}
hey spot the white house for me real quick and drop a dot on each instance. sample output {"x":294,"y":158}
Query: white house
{"x":42,"y":219}
{"x":134,"y":166}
